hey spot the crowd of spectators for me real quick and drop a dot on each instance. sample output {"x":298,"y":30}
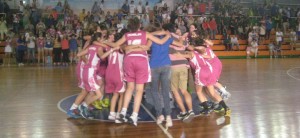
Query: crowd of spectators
{"x":210,"y":17}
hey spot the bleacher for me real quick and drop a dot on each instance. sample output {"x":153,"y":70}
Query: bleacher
{"x":263,"y":50}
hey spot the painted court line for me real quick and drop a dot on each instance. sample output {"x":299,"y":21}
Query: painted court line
{"x":288,"y":73}
{"x":161,"y":127}
{"x":58,"y":104}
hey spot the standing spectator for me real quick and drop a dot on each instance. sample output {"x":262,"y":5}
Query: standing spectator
{"x":285,"y":24}
{"x":262,"y":33}
{"x":30,"y":40}
{"x":40,"y":42}
{"x":234,"y":41}
{"x":57,"y":50}
{"x":202,"y":8}
{"x":279,"y":37}
{"x":293,"y":38}
{"x":21,"y":48}
{"x":40,"y":27}
{"x":16,"y":23}
{"x":48,"y":49}
{"x":82,"y":15}
{"x":139,"y":8}
{"x":190,"y":9}
{"x":21,"y":6}
{"x":213,"y":28}
{"x":65,"y":47}
{"x":147,"y":8}
{"x":73,"y":48}
{"x":269,"y":26}
{"x":125,"y":7}
{"x":132,"y":8}
{"x":8,"y":51}
{"x":3,"y":28}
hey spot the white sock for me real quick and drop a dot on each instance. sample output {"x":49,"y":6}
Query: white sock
{"x":117,"y":115}
{"x":84,"y":104}
{"x":124,"y":111}
{"x":112,"y":113}
{"x":134,"y":114}
{"x":74,"y":106}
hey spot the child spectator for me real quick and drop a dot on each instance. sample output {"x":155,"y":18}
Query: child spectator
{"x":8,"y":51}
{"x":234,"y":42}
{"x":73,"y":48}
{"x":40,"y":41}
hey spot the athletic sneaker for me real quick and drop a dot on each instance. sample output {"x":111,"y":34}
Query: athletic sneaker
{"x":219,"y":109}
{"x":181,"y":115}
{"x":169,"y":122}
{"x":97,"y":104}
{"x":205,"y":112}
{"x":122,"y":119}
{"x":84,"y":111}
{"x":74,"y":113}
{"x":227,"y":112}
{"x":133,"y":120}
{"x":111,"y":117}
{"x":160,"y":119}
{"x":189,"y":117}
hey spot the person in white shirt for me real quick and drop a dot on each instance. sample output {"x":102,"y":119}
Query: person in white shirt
{"x":21,"y":6}
{"x":30,"y":40}
{"x":147,"y":8}
{"x":279,"y":37}
{"x":262,"y":33}
{"x":235,"y":42}
{"x":139,"y":8}
{"x":252,"y":48}
{"x":132,"y":8}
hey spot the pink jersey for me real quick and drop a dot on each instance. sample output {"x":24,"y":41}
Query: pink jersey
{"x":89,"y":76}
{"x":215,"y":63}
{"x":203,"y":70}
{"x":101,"y":72}
{"x":136,"y":64}
{"x":137,"y":38}
{"x":114,"y":73}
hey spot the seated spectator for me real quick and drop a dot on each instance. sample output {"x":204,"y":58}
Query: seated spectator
{"x":252,"y":48}
{"x":234,"y":42}
{"x":226,"y":42}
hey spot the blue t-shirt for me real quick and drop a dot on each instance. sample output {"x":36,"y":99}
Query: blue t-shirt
{"x":160,"y":54}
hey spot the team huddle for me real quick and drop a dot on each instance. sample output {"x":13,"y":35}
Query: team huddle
{"x":119,"y":64}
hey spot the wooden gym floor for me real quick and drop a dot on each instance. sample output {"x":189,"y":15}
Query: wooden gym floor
{"x":265,"y":103}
